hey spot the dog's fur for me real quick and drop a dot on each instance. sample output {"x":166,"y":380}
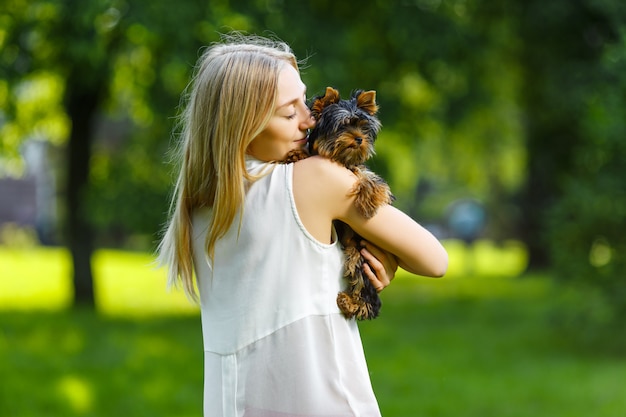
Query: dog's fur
{"x":345,"y":132}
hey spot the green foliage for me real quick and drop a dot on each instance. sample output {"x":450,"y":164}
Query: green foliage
{"x":449,"y":111}
{"x":586,"y":225}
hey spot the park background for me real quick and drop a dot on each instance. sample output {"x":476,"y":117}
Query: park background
{"x":513,"y":110}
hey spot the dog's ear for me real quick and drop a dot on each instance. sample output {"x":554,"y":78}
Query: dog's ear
{"x":366,"y":100}
{"x":319,"y":103}
{"x":331,"y":96}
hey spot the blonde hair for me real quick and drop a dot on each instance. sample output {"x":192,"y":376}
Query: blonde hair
{"x":229,"y":102}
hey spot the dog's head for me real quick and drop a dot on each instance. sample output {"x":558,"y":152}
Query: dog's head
{"x":346,"y":129}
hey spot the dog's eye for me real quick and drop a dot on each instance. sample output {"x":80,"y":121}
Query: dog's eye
{"x":350,"y":121}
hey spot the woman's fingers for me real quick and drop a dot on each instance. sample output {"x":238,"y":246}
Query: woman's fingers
{"x":380,"y":266}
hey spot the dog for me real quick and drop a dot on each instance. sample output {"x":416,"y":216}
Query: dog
{"x":345,"y":132}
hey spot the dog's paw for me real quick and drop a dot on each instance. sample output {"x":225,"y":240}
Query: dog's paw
{"x":346,"y":305}
{"x":356,"y":307}
{"x":295,"y":155}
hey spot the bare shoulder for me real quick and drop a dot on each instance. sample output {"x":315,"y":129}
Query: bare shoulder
{"x":323,"y":171}
{"x":324,"y":185}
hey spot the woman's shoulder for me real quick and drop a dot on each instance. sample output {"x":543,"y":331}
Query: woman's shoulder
{"x":323,"y":186}
{"x":325,"y":172}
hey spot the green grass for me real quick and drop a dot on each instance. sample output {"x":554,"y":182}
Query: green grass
{"x":80,"y":364}
{"x":476,"y":343}
{"x":480,"y":356}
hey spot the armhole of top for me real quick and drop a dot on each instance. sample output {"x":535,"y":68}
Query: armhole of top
{"x":296,"y":216}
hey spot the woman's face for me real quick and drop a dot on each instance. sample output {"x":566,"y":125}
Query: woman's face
{"x":287,"y":128}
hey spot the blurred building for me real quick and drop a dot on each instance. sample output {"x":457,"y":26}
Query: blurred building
{"x":31,"y":200}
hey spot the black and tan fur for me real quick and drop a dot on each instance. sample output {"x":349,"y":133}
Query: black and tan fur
{"x":345,"y":132}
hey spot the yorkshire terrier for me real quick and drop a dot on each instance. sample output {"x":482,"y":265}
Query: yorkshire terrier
{"x":345,"y":132}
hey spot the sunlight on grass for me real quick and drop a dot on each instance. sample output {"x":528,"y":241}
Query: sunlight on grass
{"x":127,"y":283}
{"x":485,"y":258}
{"x":484,"y":270}
{"x":34,"y":278}
{"x":76,"y":392}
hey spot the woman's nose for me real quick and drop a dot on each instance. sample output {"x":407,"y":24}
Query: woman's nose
{"x":309,"y":120}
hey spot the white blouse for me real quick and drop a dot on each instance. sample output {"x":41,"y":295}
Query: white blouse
{"x":275,"y":342}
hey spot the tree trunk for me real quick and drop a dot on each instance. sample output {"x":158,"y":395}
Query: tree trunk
{"x":81,"y":107}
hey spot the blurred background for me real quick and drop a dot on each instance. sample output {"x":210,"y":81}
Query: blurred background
{"x":504,"y":128}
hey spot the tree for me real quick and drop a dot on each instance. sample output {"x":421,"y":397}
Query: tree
{"x":84,"y":46}
{"x":563,"y":43}
{"x":71,"y":40}
{"x":584,"y":225}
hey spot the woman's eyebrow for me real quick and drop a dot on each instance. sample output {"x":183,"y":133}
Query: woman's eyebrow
{"x":288,"y":103}
{"x":293,"y":101}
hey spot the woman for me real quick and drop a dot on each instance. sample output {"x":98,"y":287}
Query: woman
{"x":259,"y":238}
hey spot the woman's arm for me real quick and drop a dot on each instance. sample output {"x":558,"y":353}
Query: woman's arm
{"x":415,"y":248}
{"x":322,"y":193}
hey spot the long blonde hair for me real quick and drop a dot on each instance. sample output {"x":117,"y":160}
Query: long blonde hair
{"x":229,"y":102}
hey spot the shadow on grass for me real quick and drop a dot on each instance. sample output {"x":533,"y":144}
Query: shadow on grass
{"x":80,"y":364}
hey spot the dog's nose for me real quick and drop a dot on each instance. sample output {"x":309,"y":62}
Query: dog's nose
{"x":358,"y":140}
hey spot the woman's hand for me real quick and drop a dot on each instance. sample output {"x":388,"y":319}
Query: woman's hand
{"x":380,"y":267}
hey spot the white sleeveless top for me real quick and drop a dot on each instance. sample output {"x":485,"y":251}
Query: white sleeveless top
{"x":275,"y":343}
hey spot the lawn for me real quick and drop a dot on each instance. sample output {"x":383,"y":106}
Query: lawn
{"x":476,"y":343}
